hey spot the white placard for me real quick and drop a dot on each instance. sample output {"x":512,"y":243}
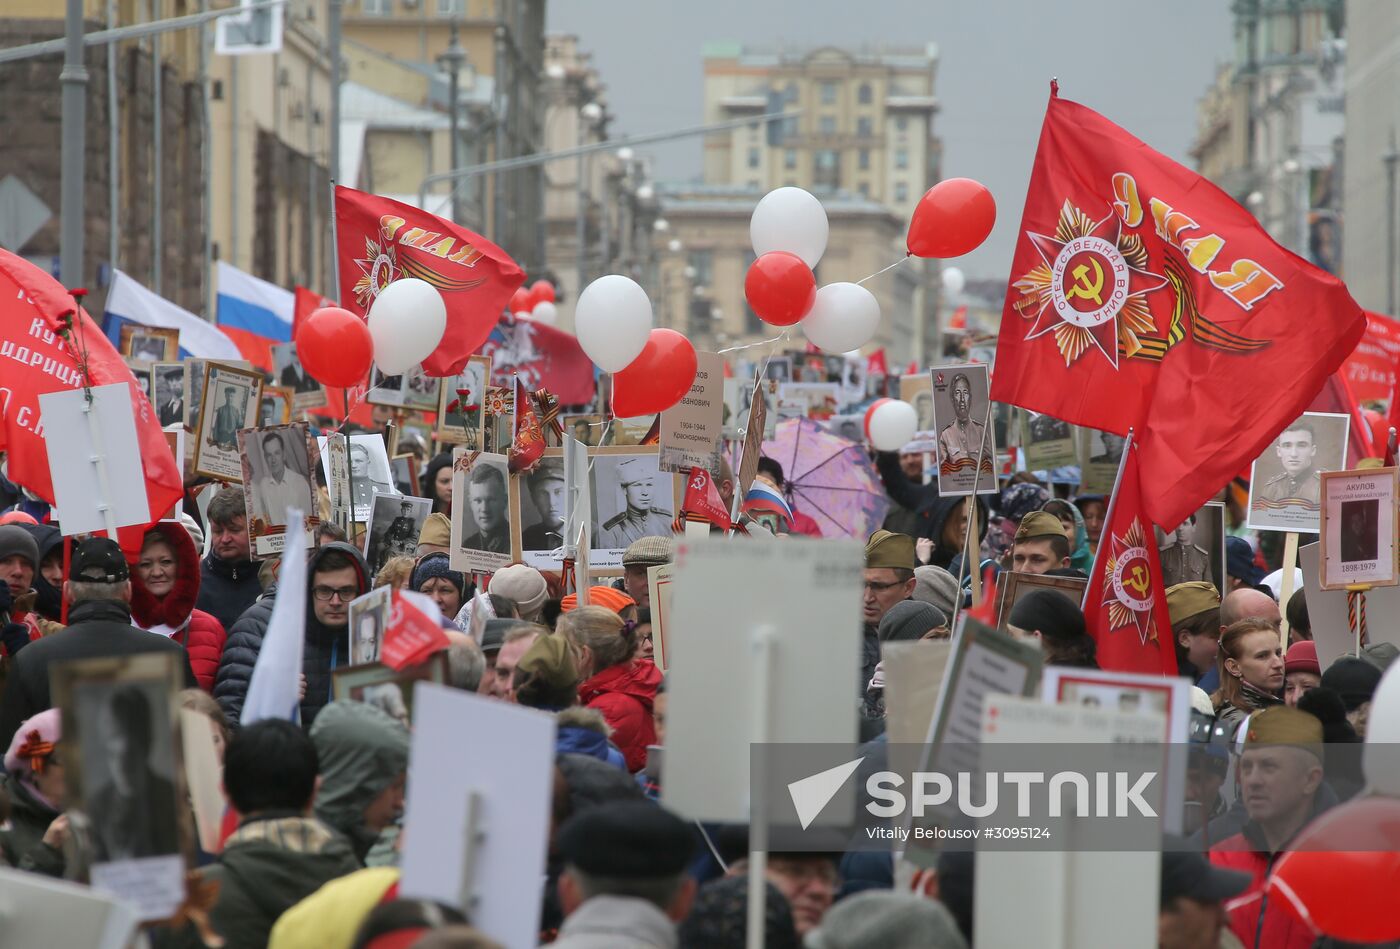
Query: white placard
{"x":203,"y":777}
{"x":690,"y":429}
{"x":1331,"y":623}
{"x":75,"y":435}
{"x":37,"y":910}
{"x":807,"y":602}
{"x":578,"y":502}
{"x":510,"y":773}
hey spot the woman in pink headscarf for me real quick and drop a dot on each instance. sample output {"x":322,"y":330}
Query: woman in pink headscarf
{"x":34,"y":786}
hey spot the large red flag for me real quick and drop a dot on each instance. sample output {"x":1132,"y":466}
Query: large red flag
{"x":542,"y":357}
{"x":35,"y":360}
{"x":1144,"y":296}
{"x":1125,"y":603}
{"x":380,"y":240}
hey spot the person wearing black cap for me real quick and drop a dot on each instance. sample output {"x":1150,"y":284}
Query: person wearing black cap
{"x":1356,"y":681}
{"x":1054,"y":619}
{"x":624,"y":882}
{"x":99,"y":626}
{"x":1192,"y":911}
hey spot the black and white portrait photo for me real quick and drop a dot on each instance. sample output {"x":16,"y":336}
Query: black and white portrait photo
{"x":960,"y":404}
{"x":288,"y":373}
{"x":632,"y":499}
{"x":143,"y":379}
{"x":168,"y":395}
{"x":403,"y":471}
{"x":413,"y":389}
{"x":480,"y":511}
{"x":369,"y":471}
{"x":1285,"y":484}
{"x":1047,"y":441}
{"x":393,"y":530}
{"x":369,"y":618}
{"x":232,"y":398}
{"x":1358,"y":528}
{"x":542,"y":500}
{"x":1358,"y":540}
{"x":1099,"y":456}
{"x":276,"y":406}
{"x":149,"y":344}
{"x":277,"y":477}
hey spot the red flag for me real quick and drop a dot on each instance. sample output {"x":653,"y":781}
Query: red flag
{"x":1371,"y":369}
{"x":543,"y":357}
{"x":35,"y":360}
{"x":1144,"y":297}
{"x":959,"y":320}
{"x":875,"y":363}
{"x":381,"y":240}
{"x":702,"y":499}
{"x":1336,"y":396}
{"x":1125,"y":604}
{"x":412,"y":634}
{"x":307,"y":302}
{"x":527,"y":437}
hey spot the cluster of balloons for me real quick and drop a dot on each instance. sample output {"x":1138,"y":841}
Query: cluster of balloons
{"x":405,"y":324}
{"x":536,"y":302}
{"x":653,"y":367}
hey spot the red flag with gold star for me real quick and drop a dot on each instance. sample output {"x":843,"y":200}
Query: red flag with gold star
{"x":527,"y":435}
{"x":1142,"y":296}
{"x":1125,"y":604}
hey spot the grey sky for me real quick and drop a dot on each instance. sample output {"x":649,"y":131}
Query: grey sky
{"x":1143,"y":64}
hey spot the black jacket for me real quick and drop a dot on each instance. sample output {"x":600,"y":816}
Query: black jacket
{"x":22,"y":836}
{"x":96,"y":629}
{"x":325,"y":647}
{"x":930,"y":509}
{"x":227,"y":588}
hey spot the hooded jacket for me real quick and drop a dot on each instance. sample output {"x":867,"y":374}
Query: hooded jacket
{"x":22,"y":836}
{"x":929,"y":508}
{"x":273,"y":861}
{"x":583,"y":731}
{"x":174,"y":615}
{"x":48,"y":600}
{"x":624,"y":693}
{"x":1080,"y":556}
{"x":324,"y":649}
{"x":227,"y":588}
{"x":362,"y":751}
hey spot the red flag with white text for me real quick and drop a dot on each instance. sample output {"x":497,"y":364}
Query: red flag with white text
{"x":1142,"y":296}
{"x":414,"y":631}
{"x":381,"y":240}
{"x":1125,"y":603}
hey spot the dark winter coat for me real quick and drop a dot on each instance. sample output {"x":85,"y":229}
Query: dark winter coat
{"x":49,"y":600}
{"x":624,"y":694}
{"x":174,"y":615}
{"x":929,"y":508}
{"x":584,"y":731}
{"x":96,"y":629}
{"x":22,"y":838}
{"x":227,"y":588}
{"x":324,"y":648}
{"x":362,"y":750}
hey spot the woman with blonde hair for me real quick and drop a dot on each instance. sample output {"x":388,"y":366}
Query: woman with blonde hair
{"x":615,"y":683}
{"x":1251,"y":663}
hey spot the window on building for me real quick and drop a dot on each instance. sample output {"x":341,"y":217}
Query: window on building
{"x":865,"y":127}
{"x":901,"y":124}
{"x":753,"y":158}
{"x":790,"y":158}
{"x":790,"y":127}
{"x":901,"y":192}
{"x":865,"y":95}
{"x":863,"y":159}
{"x":828,"y":92}
{"x":704,"y":263}
{"x":376,"y":7}
{"x":901,"y":158}
{"x":790,"y":92}
{"x":446,"y":7}
{"x":826,"y":168}
{"x":827,"y":125}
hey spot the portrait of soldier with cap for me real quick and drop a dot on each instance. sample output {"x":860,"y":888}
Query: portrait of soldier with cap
{"x":642,"y":515}
{"x":1285,"y":484}
{"x":1296,"y":449}
{"x":1183,"y":560}
{"x":547,"y":490}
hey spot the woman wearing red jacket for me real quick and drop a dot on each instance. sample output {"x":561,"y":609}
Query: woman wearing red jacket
{"x":164,"y":587}
{"x":622,"y":688}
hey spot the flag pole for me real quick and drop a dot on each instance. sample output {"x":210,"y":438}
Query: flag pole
{"x":976,"y":574}
{"x":1108,"y":514}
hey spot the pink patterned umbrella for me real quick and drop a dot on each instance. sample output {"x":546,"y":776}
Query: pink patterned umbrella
{"x":829,"y":478}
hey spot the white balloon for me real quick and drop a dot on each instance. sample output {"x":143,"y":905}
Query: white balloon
{"x":892,"y":425}
{"x":1379,"y":760}
{"x":790,"y":219}
{"x":545,"y":312}
{"x":953,"y":280}
{"x":612,"y":321}
{"x":844,"y":317}
{"x":406,"y":322}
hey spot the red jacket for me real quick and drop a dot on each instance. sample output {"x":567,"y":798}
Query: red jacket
{"x":1259,"y":921}
{"x":174,"y":614}
{"x":624,"y":694}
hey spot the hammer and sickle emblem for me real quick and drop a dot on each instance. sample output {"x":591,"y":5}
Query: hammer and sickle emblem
{"x":1138,"y":581}
{"x":1083,"y":288}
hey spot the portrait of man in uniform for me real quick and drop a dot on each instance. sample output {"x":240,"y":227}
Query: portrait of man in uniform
{"x":1359,"y":535}
{"x":547,"y":491}
{"x":1285,"y":485}
{"x":1182,"y":559}
{"x":960,"y":438}
{"x":486,"y":518}
{"x":642,"y":514}
{"x":1299,"y":481}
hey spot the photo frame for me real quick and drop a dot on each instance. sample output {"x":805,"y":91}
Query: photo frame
{"x":1012,"y":586}
{"x":394,"y":525}
{"x":369,"y":618}
{"x":391,"y":690}
{"x":1201,"y":555}
{"x":403,"y":472}
{"x":291,"y":375}
{"x":1358,"y":528}
{"x":1285,"y":488}
{"x":778,"y":369}
{"x":1100,"y":454}
{"x":537,"y":503}
{"x":410,"y":390}
{"x":1047,"y":441}
{"x":141,"y":372}
{"x":959,"y":412}
{"x":149,"y":344}
{"x":234,"y":405}
{"x":369,"y":474}
{"x":278,"y":473}
{"x":168,"y":392}
{"x":631,"y":498}
{"x":461,"y":405}
{"x":917,"y":390}
{"x":627,"y":432}
{"x":481,"y":522}
{"x":585,"y":428}
{"x":275,"y":408}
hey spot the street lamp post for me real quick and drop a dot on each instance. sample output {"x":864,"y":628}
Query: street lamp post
{"x":589,"y":114}
{"x":1391,"y":159}
{"x":453,"y":59}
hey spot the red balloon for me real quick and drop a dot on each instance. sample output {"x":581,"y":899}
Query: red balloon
{"x":870,"y":413}
{"x":1348,"y":893}
{"x":335,"y":347}
{"x":951,"y":219}
{"x":541,"y":291}
{"x":780,"y":287}
{"x":520,"y":301}
{"x":658,"y":378}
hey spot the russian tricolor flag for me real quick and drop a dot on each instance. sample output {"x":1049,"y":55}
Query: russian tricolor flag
{"x":765,"y":497}
{"x":253,"y":313}
{"x":129,"y":302}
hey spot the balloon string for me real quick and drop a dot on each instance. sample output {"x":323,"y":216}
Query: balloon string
{"x":878,"y":272}
{"x":763,"y":342}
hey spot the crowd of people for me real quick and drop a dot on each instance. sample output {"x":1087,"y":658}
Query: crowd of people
{"x":310,"y":855}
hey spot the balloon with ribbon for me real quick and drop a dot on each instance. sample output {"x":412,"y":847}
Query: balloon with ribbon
{"x":406,"y":320}
{"x":844,"y":317}
{"x":891,"y":424}
{"x":790,"y":219}
{"x":335,"y":347}
{"x":951,"y":219}
{"x":780,"y":287}
{"x":658,"y":378}
{"x":612,"y":321}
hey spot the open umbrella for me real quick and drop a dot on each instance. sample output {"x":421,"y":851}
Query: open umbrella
{"x":829,"y":477}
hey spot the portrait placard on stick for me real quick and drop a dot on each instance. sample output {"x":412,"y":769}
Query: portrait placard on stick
{"x":690,"y":429}
{"x":659,"y":590}
{"x":1358,"y":535}
{"x":1285,"y":483}
{"x":231,"y":402}
{"x":335,"y":457}
{"x":480,"y":512}
{"x":94,"y":458}
{"x":277,"y":478}
{"x":960,"y":414}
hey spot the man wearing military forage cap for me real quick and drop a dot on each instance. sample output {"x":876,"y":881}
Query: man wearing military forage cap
{"x":1040,"y":545}
{"x":1194,"y":610}
{"x":889,"y":579}
{"x":641,"y":518}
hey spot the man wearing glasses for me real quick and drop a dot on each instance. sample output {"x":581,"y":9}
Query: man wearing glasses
{"x":336,"y":574}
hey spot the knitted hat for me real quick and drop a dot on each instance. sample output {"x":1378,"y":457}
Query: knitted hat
{"x":436,"y":565}
{"x":910,"y":620}
{"x":1188,"y":600}
{"x":1302,"y":657}
{"x":606,"y":597}
{"x":16,"y":541}
{"x":1018,"y":500}
{"x":33,"y":742}
{"x":1050,"y":613}
{"x":1354,"y":679}
{"x":935,"y":586}
{"x":525,"y":585}
{"x":436,"y":532}
{"x":886,"y":549}
{"x":649,"y":552}
{"x":1039,"y":524}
